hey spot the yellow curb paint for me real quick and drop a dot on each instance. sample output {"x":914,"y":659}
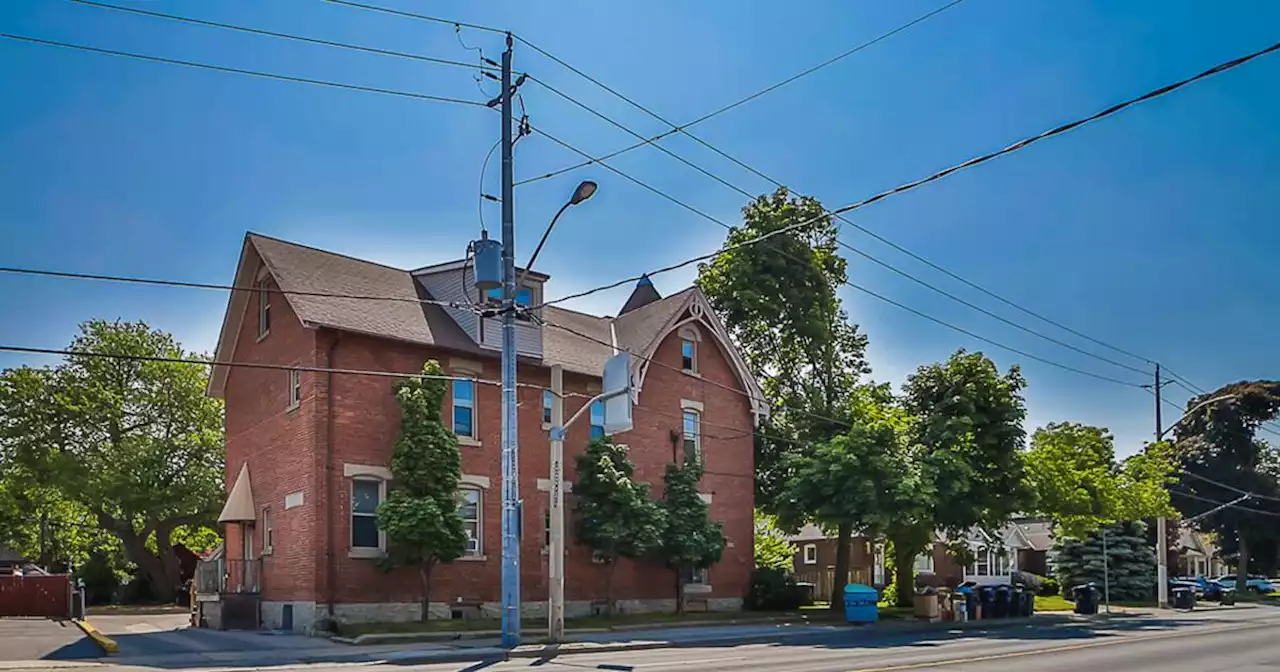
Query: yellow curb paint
{"x":1035,"y":652}
{"x":108,"y":645}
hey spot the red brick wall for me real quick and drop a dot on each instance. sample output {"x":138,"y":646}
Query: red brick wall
{"x":278,"y":444}
{"x":287,"y":453}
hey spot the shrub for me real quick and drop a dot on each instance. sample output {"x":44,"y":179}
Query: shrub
{"x":773,"y":590}
{"x":889,"y":595}
{"x":1050,"y":587}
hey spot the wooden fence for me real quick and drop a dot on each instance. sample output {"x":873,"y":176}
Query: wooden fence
{"x":47,"y":596}
{"x":824,"y":580}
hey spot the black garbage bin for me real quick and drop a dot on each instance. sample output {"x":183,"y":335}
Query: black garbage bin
{"x":971,"y":602}
{"x":1184,"y":598}
{"x":1086,"y":598}
{"x":1004,"y":602}
{"x":1018,"y":602}
{"x":1227,"y":596}
{"x":1028,"y":603}
{"x":987,"y":596}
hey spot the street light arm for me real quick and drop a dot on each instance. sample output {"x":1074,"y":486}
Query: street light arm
{"x":1195,"y":408}
{"x":538,"y":249}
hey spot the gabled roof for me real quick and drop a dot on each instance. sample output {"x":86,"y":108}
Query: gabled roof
{"x":298,"y":268}
{"x":644,"y":294}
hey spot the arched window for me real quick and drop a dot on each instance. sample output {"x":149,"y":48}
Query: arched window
{"x":689,"y":338}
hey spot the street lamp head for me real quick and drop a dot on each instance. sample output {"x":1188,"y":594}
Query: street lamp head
{"x":583,"y":192}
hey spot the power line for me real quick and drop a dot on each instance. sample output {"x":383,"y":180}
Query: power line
{"x":683,"y":128}
{"x":792,"y":227}
{"x":257,"y":365}
{"x":858,"y":251}
{"x":1223,"y":504}
{"x":231,"y":288}
{"x":1196,"y":390}
{"x":241,"y":71}
{"x":422,"y":17}
{"x":1232,"y":488}
{"x":285,"y":36}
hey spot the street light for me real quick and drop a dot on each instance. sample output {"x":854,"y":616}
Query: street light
{"x":1195,"y":408}
{"x":586,"y":189}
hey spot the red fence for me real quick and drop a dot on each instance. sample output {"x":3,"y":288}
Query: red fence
{"x":47,"y":596}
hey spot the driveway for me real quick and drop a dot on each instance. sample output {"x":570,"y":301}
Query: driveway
{"x":169,"y":635}
{"x":43,"y":639}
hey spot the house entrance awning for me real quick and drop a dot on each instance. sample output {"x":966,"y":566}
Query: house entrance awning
{"x":239,"y":506}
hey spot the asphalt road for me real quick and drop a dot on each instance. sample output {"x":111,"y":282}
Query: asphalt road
{"x":1236,"y":641}
{"x":43,"y":639}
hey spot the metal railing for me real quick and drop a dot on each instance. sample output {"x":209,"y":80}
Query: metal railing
{"x":228,"y":575}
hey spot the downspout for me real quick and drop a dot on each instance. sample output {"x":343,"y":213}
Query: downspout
{"x":331,"y":565}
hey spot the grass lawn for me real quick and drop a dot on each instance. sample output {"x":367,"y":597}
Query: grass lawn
{"x":1053,"y":603}
{"x":102,"y":609}
{"x":602,"y":622}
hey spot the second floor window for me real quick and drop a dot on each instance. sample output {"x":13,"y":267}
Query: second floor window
{"x":464,"y":402}
{"x":469,"y":512}
{"x":692,"y":435}
{"x":597,"y":420}
{"x":295,"y":388}
{"x":366,"y":495}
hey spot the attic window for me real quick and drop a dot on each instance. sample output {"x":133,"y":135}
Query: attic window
{"x":264,"y":307}
{"x":524,"y":298}
{"x":689,"y":338}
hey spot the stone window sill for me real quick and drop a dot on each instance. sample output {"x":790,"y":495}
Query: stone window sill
{"x":367,"y":553}
{"x":472,"y":558}
{"x":546,"y":426}
{"x":469,"y":441}
{"x":697,"y":588}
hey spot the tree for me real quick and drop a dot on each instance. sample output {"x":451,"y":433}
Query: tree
{"x":690,"y":540}
{"x":772,"y":548}
{"x":1078,"y":483}
{"x":1220,"y":458}
{"x":420,"y":516}
{"x":778,"y":300}
{"x":135,"y":442}
{"x":968,"y":426}
{"x":1129,"y":569}
{"x":867,"y":478}
{"x":613,"y":514}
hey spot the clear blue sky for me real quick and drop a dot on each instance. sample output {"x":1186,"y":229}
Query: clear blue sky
{"x":1156,"y":230}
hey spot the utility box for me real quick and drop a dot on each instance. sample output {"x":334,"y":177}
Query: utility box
{"x":860,"y":604}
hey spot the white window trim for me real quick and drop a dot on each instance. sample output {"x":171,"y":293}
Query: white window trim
{"x":366,"y":551}
{"x":697,"y":436}
{"x":928,"y":556}
{"x":471,"y":487}
{"x":367,"y":471}
{"x":471,"y":439}
{"x":690,"y":404}
{"x":295,"y":389}
{"x":689,"y":334}
{"x":475,"y":481}
{"x":810,"y":554}
{"x":268,"y":531}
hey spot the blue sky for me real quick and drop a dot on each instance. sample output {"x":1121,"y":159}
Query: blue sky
{"x":1155,"y":230}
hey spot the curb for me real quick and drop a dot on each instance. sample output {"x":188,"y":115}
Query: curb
{"x":108,"y":645}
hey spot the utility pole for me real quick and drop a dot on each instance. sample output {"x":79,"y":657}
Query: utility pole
{"x":555,"y":550}
{"x":510,"y":449}
{"x":1162,"y":535}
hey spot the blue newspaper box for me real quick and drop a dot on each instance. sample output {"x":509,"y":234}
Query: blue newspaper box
{"x":860,"y":603}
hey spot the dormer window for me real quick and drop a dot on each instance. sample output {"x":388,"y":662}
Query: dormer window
{"x":524,"y":298}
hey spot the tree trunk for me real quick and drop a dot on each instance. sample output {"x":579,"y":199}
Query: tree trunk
{"x":424,"y":574}
{"x":1242,"y":567}
{"x":135,"y":550}
{"x":904,"y":573}
{"x":608,"y":585}
{"x":168,"y":559}
{"x":679,"y":590}
{"x":843,"y":534}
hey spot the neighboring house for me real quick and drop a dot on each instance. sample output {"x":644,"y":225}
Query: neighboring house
{"x":308,"y":453}
{"x":1198,"y":555}
{"x":1019,"y":546}
{"x":11,"y":561}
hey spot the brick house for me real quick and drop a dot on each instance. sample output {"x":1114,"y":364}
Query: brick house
{"x":308,"y":453}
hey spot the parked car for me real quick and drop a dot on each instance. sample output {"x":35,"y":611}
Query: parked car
{"x":1184,"y":582}
{"x":1209,"y":588}
{"x":1256,"y":584}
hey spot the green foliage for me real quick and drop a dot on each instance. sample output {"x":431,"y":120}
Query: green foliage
{"x":132,"y":446}
{"x":772,"y":549}
{"x":613,"y":514}
{"x":773,"y":589}
{"x":1130,"y":562}
{"x":420,"y":515}
{"x":1218,"y":441}
{"x":1049,"y":585}
{"x":689,"y":539}
{"x":779,"y":301}
{"x":1078,"y":483}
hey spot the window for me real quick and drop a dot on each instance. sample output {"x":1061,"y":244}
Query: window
{"x":469,"y":512}
{"x":597,"y":420}
{"x":524,"y":298}
{"x":692,"y":435}
{"x":268,"y":532}
{"x":366,"y":495}
{"x":924,"y":563}
{"x":810,"y":554}
{"x":982,"y":563}
{"x":264,"y":308}
{"x":295,"y":388}
{"x":1000,"y":561}
{"x":546,"y":407}
{"x":464,"y":408}
{"x":695,"y":576}
{"x":689,"y":355}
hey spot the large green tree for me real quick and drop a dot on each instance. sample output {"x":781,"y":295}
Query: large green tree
{"x":772,"y":548}
{"x":1078,"y":483}
{"x":134,"y":442}
{"x":420,"y":516}
{"x":1220,"y":457}
{"x":614,"y":516}
{"x":690,"y":539}
{"x":867,"y":479}
{"x":968,"y":428}
{"x":779,"y":301}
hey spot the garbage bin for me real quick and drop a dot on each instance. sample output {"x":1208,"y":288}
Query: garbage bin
{"x":1184,"y":598}
{"x":1028,"y":603}
{"x":1086,"y":598}
{"x":926,"y":606}
{"x":1003,"y":601}
{"x":1017,"y":605}
{"x":1227,"y":597}
{"x":806,"y":590}
{"x":960,"y":606}
{"x":860,"y":603}
{"x":987,"y":601}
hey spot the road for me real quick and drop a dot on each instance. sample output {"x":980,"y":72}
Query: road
{"x":1236,"y":641}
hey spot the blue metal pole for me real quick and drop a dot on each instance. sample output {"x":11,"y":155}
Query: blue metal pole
{"x":510,"y":449}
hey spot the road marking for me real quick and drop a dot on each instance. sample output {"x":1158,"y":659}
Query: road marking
{"x":682,"y":661}
{"x":1070,"y":647}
